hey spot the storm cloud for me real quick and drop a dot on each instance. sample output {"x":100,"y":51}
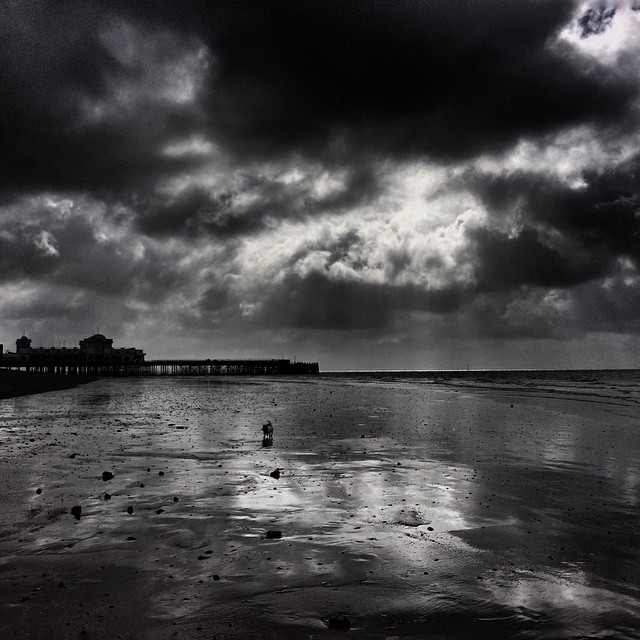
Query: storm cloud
{"x":405,"y":79}
{"x":334,"y":179}
{"x":570,"y":233}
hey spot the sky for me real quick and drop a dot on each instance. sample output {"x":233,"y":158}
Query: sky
{"x":364,"y":183}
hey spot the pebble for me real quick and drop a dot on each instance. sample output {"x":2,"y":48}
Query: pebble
{"x":340,"y":622}
{"x":107,"y":475}
{"x":274,"y":534}
{"x":76,"y":511}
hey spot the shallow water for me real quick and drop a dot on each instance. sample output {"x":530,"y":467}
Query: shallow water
{"x":418,"y":505}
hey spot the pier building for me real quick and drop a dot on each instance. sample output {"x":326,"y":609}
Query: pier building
{"x":96,"y":348}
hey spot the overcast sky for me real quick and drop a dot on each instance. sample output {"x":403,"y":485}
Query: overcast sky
{"x":367,"y":184}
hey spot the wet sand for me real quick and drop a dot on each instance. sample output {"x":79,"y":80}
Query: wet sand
{"x":19,"y":383}
{"x":410,"y":510}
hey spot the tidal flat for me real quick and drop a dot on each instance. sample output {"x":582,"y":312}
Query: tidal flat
{"x":497,"y":505}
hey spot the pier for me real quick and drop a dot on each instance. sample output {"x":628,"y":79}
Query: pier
{"x":96,"y":356}
{"x":239,"y":367}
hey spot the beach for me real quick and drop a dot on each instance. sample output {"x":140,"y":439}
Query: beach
{"x":488,"y":505}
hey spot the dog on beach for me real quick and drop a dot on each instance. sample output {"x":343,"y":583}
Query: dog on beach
{"x":267,"y":432}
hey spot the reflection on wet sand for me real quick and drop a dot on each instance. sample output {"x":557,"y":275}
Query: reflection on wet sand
{"x":413,"y":509}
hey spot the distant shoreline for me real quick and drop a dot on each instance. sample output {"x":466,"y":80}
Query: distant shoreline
{"x":18,"y":383}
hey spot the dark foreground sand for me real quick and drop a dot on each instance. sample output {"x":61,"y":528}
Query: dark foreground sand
{"x":19,"y":383}
{"x":413,"y":511}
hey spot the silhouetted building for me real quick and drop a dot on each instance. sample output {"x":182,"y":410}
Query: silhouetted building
{"x":23,"y":345}
{"x":96,"y":348}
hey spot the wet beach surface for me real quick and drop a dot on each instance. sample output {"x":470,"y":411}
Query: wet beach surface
{"x":457,"y":507}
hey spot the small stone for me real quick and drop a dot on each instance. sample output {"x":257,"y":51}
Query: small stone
{"x":272,"y":535}
{"x":216,"y":577}
{"x":340,"y":622}
{"x":429,"y":528}
{"x":275,"y":474}
{"x":129,"y":510}
{"x":160,"y":473}
{"x":131,"y":538}
{"x":175,"y":498}
{"x":38,"y":491}
{"x":107,"y":475}
{"x":107,"y":496}
{"x":159,"y":511}
{"x":76,"y":511}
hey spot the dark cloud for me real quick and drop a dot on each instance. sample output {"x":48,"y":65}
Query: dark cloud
{"x":596,"y":20}
{"x":315,"y":301}
{"x":58,"y":309}
{"x":65,"y":121}
{"x":507,"y":261}
{"x":570,"y":235}
{"x":70,"y":250}
{"x":258,"y":203}
{"x":510,"y":316}
{"x":49,"y":313}
{"x":85,"y":100}
{"x":446,"y":80}
{"x":613,"y":306}
{"x":215,"y":298}
{"x":20,"y":256}
{"x":68,"y":254}
{"x":534,"y":312}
